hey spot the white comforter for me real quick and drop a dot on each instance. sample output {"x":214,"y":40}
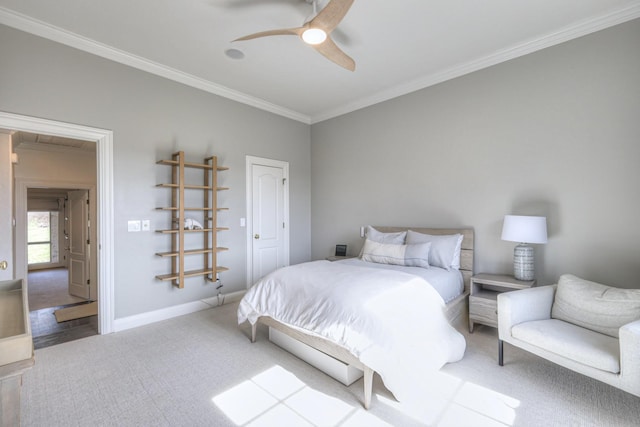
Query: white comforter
{"x":392,"y":321}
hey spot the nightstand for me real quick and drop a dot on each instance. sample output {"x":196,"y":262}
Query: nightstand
{"x":338,"y":257}
{"x":483,"y":307}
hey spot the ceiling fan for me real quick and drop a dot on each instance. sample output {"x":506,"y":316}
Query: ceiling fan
{"x":317,"y":32}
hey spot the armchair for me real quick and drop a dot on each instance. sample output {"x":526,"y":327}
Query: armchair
{"x":584,"y":326}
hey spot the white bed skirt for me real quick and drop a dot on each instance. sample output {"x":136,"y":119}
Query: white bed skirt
{"x":343,"y":372}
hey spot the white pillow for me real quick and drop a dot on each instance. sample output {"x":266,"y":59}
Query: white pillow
{"x":408,"y":255}
{"x":380,"y":237}
{"x":445,"y":249}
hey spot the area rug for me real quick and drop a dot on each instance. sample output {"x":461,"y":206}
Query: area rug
{"x":76,"y":312}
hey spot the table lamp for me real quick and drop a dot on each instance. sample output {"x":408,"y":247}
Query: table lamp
{"x":524,"y":230}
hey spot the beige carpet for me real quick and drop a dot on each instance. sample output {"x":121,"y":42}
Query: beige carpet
{"x":49,"y":288}
{"x":76,"y":312}
{"x":202,"y":370}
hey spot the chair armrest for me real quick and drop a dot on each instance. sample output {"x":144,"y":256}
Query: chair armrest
{"x":524,"y":305}
{"x":630,"y":354}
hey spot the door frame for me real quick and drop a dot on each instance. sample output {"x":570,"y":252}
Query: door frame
{"x":250,"y":162}
{"x":104,"y":200}
{"x":7,"y":246}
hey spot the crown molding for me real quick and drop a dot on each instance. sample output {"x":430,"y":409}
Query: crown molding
{"x":33,"y":26}
{"x":568,"y":33}
{"x":43,"y":29}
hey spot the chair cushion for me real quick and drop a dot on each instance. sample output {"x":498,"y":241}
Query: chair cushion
{"x":572,"y":342}
{"x":595,"y":306}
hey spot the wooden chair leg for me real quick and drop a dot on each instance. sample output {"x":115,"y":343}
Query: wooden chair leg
{"x":500,"y":352}
{"x":368,"y":386}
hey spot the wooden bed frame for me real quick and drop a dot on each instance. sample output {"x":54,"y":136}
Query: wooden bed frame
{"x":455,"y":310}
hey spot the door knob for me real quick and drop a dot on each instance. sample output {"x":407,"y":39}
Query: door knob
{"x":257,"y":236}
{"x":3,"y":265}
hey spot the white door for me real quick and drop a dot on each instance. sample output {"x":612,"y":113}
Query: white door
{"x":79,"y":243}
{"x":6,"y":203}
{"x":269,"y":229}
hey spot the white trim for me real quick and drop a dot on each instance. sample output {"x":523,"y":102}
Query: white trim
{"x":250,"y":161}
{"x":40,"y":28}
{"x":568,"y":33}
{"x":149,"y":317}
{"x":104,"y":153}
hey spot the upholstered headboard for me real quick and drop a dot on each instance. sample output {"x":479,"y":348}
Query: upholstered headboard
{"x":466,"y":252}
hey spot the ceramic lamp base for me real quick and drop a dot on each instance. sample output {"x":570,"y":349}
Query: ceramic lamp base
{"x":523,"y":262}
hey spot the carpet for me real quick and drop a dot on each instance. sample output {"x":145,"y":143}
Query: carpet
{"x":76,"y":312}
{"x":201,"y":369}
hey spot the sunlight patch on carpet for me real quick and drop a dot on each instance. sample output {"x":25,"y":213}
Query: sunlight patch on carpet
{"x":448,"y":401}
{"x":276,"y":397}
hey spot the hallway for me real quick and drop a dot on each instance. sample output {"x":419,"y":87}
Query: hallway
{"x":50,"y":288}
{"x":48,"y":292}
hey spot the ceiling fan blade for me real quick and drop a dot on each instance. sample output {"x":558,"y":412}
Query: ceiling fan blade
{"x":329,"y":17}
{"x":332,"y":52}
{"x":282,"y":32}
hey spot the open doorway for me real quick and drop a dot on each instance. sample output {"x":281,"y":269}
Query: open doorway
{"x":48,"y":245}
{"x":58,"y":176}
{"x":16,"y":251}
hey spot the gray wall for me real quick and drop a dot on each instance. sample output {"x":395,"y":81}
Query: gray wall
{"x":152,"y":117}
{"x":554,"y":133}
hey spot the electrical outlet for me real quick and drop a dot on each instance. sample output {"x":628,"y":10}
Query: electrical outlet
{"x":146,"y":225}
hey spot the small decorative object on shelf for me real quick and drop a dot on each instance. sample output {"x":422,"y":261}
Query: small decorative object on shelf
{"x":192,"y":224}
{"x":483,"y":307}
{"x":181,"y":225}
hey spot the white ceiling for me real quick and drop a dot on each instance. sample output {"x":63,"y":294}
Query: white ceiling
{"x":399,"y":46}
{"x":34,"y":141}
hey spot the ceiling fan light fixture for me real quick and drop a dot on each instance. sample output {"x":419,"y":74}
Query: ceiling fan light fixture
{"x":314,"y":36}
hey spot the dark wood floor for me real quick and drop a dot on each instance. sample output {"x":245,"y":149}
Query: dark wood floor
{"x":47,"y":331}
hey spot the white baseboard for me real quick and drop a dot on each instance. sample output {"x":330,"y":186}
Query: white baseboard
{"x":174,"y":311}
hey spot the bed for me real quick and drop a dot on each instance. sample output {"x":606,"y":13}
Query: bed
{"x":363,"y":312}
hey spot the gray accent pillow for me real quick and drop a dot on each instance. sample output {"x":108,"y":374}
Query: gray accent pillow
{"x":595,"y":306}
{"x":407,"y":255}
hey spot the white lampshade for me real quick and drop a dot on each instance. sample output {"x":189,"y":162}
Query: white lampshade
{"x":524,"y":229}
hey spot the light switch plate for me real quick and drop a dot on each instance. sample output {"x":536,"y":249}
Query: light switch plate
{"x":146,"y":225}
{"x":133,"y":225}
